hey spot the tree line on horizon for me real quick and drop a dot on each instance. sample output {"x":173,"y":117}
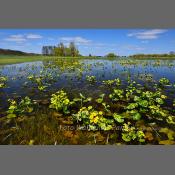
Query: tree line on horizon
{"x":69,"y":51}
{"x":61,"y":50}
{"x":72,"y":51}
{"x":171,"y":54}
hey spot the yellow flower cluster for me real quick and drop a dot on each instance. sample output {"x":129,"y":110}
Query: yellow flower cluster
{"x":92,"y":115}
{"x":95,"y":116}
{"x":66,"y":101}
{"x":163,"y":96}
{"x":83,"y":108}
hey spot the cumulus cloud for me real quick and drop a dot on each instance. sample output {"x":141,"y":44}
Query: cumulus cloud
{"x":86,"y":43}
{"x":22,"y":37}
{"x":78,"y":40}
{"x":15,"y":38}
{"x":145,"y":41}
{"x":33,"y":36}
{"x":147,"y":34}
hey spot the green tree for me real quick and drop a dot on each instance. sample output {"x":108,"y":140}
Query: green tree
{"x":68,"y":52}
{"x":111,"y":55}
{"x":90,"y":55}
{"x":74,"y":51}
{"x":62,"y":49}
{"x":57,"y":51}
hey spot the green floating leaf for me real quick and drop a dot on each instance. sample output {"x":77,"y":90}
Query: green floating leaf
{"x":170,"y":120}
{"x":126,"y":137}
{"x":31,"y":142}
{"x":30,"y":109}
{"x":136,"y":98}
{"x":166,"y":142}
{"x":132,"y":106}
{"x":170,"y":134}
{"x":9,"y":116}
{"x":137,"y":116}
{"x":159,"y":101}
{"x":81,"y":95}
{"x":76,"y":99}
{"x":118,"y":118}
{"x":99,"y":100}
{"x":143,"y":103}
{"x":88,"y":99}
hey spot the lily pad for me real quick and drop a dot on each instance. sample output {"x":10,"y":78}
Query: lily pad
{"x":137,"y":116}
{"x":9,"y":116}
{"x":166,"y":142}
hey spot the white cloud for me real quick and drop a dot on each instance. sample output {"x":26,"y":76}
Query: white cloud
{"x":145,"y":41}
{"x":147,"y":34}
{"x":78,"y":40}
{"x":19,"y":38}
{"x":33,"y":36}
{"x":105,"y":45}
{"x":86,"y":43}
{"x":15,"y":38}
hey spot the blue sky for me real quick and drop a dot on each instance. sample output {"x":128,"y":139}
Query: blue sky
{"x":91,"y":41}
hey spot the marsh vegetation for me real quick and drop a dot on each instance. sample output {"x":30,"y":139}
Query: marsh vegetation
{"x":87,"y":101}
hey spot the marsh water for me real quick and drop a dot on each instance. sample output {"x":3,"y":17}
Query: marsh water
{"x":70,"y":75}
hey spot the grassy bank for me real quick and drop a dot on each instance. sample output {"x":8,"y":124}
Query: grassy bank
{"x":20,"y":59}
{"x":153,"y":58}
{"x":12,"y":59}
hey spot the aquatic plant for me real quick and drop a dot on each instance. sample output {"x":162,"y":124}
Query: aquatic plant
{"x":164,"y":81}
{"x":118,"y":118}
{"x":117,"y":94}
{"x":133,"y":101}
{"x":146,"y":77}
{"x":130,"y":133}
{"x":60,"y":102}
{"x":82,"y":99}
{"x":39,"y":80}
{"x":101,"y":101}
{"x":93,"y":119}
{"x":3,"y":81}
{"x":147,"y":103}
{"x":91,"y":79}
{"x":15,"y":109}
{"x":116,"y":81}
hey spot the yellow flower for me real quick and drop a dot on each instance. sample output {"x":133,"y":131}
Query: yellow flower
{"x":94,"y":120}
{"x":89,"y":107}
{"x":125,"y":127}
{"x":95,"y":113}
{"x":100,"y":113}
{"x":163,"y":96}
{"x":31,"y":142}
{"x":91,"y":116}
{"x":83,"y":108}
{"x":66,"y":101}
